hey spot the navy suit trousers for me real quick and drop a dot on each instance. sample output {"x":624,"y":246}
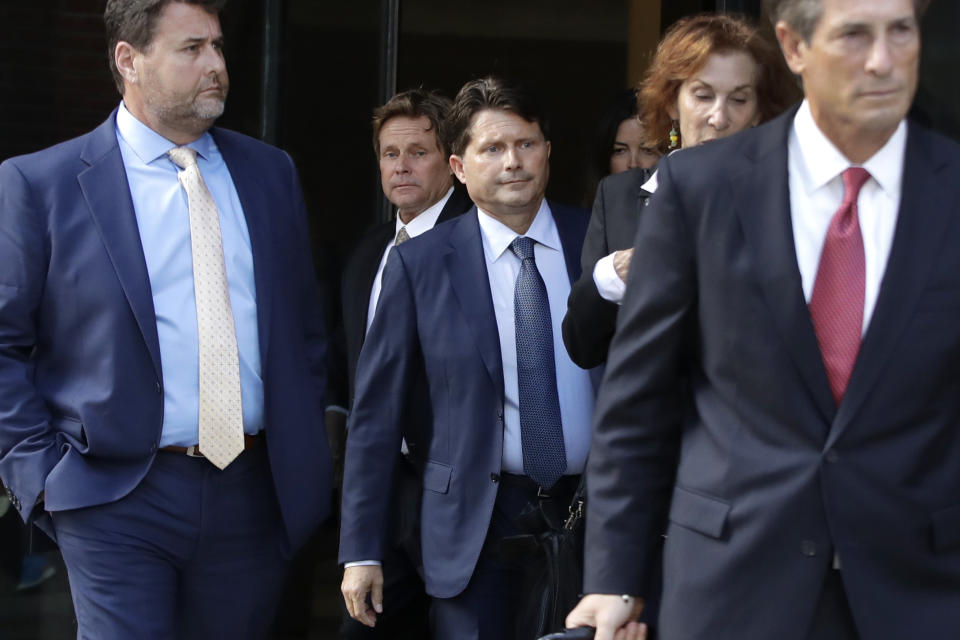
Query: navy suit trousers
{"x":488,"y":608}
{"x":191,"y":552}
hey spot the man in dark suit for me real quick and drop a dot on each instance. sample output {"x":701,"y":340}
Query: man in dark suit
{"x":468,"y":332}
{"x":411,"y":149}
{"x":805,"y":281}
{"x":161,"y":347}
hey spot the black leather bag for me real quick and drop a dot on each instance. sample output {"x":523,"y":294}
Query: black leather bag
{"x":553,"y":567}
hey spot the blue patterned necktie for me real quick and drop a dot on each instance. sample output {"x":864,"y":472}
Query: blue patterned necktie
{"x":541,"y":432}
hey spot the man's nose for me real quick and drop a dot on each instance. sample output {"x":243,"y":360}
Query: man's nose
{"x":880,"y":60}
{"x":512,"y":158}
{"x":214,"y":59}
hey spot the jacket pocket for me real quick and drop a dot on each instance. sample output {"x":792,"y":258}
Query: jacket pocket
{"x":436,"y":476}
{"x":699,"y":512}
{"x":946,"y":529}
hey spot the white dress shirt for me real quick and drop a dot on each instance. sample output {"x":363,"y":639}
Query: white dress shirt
{"x":420,"y":224}
{"x":163,"y":220}
{"x":573,"y":383}
{"x":815,"y":166}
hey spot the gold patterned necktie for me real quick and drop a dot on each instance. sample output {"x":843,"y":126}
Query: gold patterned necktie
{"x":221,"y":409}
{"x":402,"y":236}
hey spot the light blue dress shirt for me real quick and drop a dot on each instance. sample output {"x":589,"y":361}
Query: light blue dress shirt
{"x":573,"y":383}
{"x":163,"y":219}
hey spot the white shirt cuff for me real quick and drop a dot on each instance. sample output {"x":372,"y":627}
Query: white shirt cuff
{"x":362,"y":563}
{"x":609,"y":284}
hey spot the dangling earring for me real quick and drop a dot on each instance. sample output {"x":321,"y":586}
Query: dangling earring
{"x":674,"y":136}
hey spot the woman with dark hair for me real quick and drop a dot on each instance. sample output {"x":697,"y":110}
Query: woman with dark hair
{"x":619,"y":143}
{"x":713,"y":75}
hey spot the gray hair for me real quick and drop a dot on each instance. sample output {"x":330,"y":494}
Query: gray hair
{"x":803,"y":15}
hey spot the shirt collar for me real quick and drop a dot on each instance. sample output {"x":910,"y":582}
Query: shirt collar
{"x":425,"y":220}
{"x":498,"y":236}
{"x":650,"y":185}
{"x":150,"y":145}
{"x":822,"y":162}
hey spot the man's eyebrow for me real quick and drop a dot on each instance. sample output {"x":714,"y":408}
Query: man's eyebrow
{"x":201,"y":39}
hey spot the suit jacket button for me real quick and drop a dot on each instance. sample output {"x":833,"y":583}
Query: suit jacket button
{"x":494,"y":477}
{"x":832,"y":456}
{"x":159,"y":388}
{"x":808,"y":548}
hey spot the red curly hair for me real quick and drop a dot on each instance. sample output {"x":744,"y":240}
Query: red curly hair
{"x":683,"y":52}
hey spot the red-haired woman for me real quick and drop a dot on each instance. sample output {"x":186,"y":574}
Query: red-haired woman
{"x":713,"y":75}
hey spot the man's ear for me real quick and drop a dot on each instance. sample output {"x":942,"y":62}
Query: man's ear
{"x":124,"y":56}
{"x":794,"y":47}
{"x":456,"y":165}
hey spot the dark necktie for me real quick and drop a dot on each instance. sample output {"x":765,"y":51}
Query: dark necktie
{"x":541,"y":431}
{"x":836,"y":306}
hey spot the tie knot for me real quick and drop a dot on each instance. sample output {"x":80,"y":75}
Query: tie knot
{"x":522,"y":247}
{"x":183,"y":157}
{"x":402,"y":236}
{"x":853,"y":180}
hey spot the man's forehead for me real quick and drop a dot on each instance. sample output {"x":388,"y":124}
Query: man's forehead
{"x":865,"y":11}
{"x":492,"y":123}
{"x":407,"y":129}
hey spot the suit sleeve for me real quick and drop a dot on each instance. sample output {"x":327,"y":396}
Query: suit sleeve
{"x":637,"y":422}
{"x":28,"y":445}
{"x":389,"y":361}
{"x":590,"y":320}
{"x":314,"y":329}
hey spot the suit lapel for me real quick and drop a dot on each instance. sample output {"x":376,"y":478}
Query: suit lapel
{"x":255,"y":205}
{"x":467,"y":267}
{"x":104,"y":188}
{"x":457,"y":204}
{"x":763,"y":207}
{"x":928,"y":200}
{"x":571,"y":231}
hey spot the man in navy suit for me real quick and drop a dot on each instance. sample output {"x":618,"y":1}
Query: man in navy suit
{"x":803,"y":279}
{"x":412,"y":151}
{"x":177,"y":460}
{"x":452,"y":335}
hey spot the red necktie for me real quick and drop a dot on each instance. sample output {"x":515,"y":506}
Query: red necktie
{"x":836,"y":306}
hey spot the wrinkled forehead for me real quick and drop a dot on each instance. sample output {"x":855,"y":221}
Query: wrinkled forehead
{"x":834,"y":13}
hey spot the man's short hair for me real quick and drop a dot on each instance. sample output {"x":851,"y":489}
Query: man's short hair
{"x":489,"y":93}
{"x":415,"y":103}
{"x":803,"y":15}
{"x":134,"y":21}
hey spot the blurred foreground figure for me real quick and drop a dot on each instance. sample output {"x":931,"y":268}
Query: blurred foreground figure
{"x":803,"y":277}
